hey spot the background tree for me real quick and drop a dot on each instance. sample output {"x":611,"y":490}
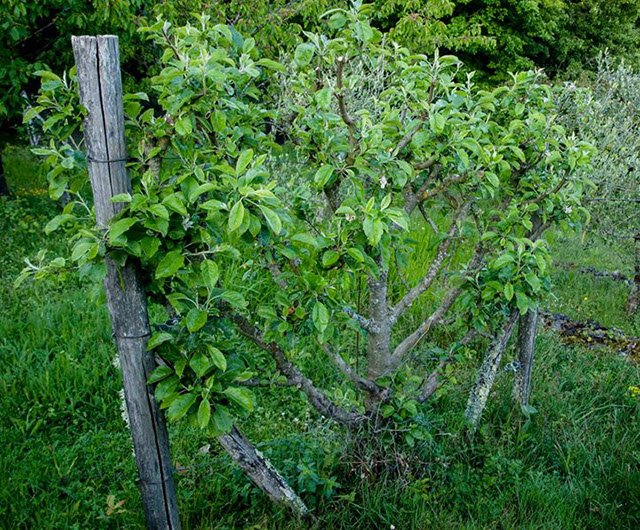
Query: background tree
{"x":607,"y":114}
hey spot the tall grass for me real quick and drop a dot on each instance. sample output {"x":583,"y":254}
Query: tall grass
{"x":66,"y":447}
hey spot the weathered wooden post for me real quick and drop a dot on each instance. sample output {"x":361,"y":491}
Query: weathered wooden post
{"x":100,"y":87}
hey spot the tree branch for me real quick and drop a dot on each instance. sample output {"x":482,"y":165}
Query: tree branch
{"x":316,"y":397}
{"x":432,"y":382}
{"x":434,"y":269}
{"x":435,"y":318}
{"x":365,"y":323}
{"x":352,"y":375}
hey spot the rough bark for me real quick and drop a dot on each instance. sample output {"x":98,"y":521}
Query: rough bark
{"x":633,"y":302}
{"x":261,"y":472}
{"x":294,"y":376}
{"x":487,"y":374}
{"x":525,"y":346}
{"x":378,"y":341}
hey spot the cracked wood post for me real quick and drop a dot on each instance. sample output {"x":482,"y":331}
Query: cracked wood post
{"x":100,"y":88}
{"x":525,"y":347}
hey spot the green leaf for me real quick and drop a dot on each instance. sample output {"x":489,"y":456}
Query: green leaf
{"x":210,"y":273}
{"x":180,"y":406}
{"x":200,"y":363}
{"x":320,"y":316}
{"x":522,"y":301}
{"x":166,"y":387}
{"x":175,"y":203}
{"x":120,"y":227}
{"x":222,"y":419}
{"x":236,"y":216}
{"x":234,"y":298}
{"x":243,"y":161}
{"x":533,"y":281}
{"x":204,"y":414}
{"x":157,"y":339}
{"x":195,"y":319}
{"x":150,"y":246}
{"x":373,"y":229}
{"x":356,"y":254}
{"x":160,"y":373}
{"x":437,"y":122}
{"x":305,"y":238}
{"x":304,"y":54}
{"x":57,"y":221}
{"x":184,"y":125}
{"x":273,"y":219}
{"x":240,"y":396}
{"x":492,"y":178}
{"x":271,"y":64}
{"x":502,"y":261}
{"x":218,"y":358}
{"x":508,"y":291}
{"x":160,"y":211}
{"x":219,"y":122}
{"x":121,"y":197}
{"x":329,"y":258}
{"x":170,"y":264}
{"x":323,"y":175}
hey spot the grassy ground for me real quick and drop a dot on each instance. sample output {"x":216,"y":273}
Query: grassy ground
{"x":66,"y":447}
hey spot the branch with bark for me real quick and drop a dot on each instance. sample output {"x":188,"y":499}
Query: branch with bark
{"x":436,"y":266}
{"x":351,"y":374}
{"x":435,"y":318}
{"x":294,"y":376}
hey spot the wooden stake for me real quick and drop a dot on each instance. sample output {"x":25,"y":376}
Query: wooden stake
{"x":100,"y":87}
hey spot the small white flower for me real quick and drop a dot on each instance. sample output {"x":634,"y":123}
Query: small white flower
{"x":567,"y":209}
{"x":350,"y":217}
{"x":383,"y":182}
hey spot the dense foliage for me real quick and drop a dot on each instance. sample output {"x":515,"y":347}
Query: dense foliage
{"x":352,"y":191}
{"x":243,"y":260}
{"x":492,"y":37}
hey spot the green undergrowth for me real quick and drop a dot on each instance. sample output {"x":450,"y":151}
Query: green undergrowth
{"x":68,"y":460}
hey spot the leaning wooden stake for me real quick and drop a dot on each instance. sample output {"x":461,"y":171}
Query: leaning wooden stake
{"x":487,"y":374}
{"x":100,"y":88}
{"x":525,"y":346}
{"x":262,"y":473}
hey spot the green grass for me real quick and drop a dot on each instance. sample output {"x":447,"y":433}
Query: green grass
{"x":66,"y":447}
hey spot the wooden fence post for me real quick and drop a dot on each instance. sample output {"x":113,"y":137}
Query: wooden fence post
{"x":100,"y":87}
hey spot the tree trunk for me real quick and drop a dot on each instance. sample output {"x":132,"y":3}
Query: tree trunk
{"x":633,"y":302}
{"x":4,"y":187}
{"x":487,"y":374}
{"x":526,"y":346}
{"x":378,"y":341}
{"x":261,"y":472}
